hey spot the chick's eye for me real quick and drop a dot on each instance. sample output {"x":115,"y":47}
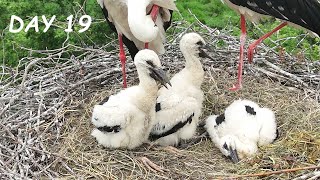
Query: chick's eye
{"x":200,"y":43}
{"x":96,"y":119}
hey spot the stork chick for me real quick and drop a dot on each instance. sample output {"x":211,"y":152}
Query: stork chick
{"x":242,"y":127}
{"x":179,"y":107}
{"x":126,"y":118}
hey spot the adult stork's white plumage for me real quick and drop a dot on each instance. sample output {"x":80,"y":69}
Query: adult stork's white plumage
{"x":299,"y":13}
{"x":242,"y":127}
{"x":135,"y":28}
{"x":179,"y":107}
{"x":126,"y":118}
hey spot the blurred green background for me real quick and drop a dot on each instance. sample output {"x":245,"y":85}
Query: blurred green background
{"x":210,"y":12}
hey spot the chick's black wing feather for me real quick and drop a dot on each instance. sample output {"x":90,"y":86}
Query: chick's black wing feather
{"x":110,"y":129}
{"x":175,"y":128}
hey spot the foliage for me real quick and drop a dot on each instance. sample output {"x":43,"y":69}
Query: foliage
{"x":55,"y":36}
{"x":210,"y":12}
{"x":214,"y":13}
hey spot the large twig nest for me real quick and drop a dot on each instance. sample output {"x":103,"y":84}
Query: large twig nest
{"x":47,"y":103}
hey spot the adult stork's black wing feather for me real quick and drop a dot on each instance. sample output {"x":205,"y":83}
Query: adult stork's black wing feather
{"x":133,"y":50}
{"x":106,"y":15}
{"x":305,"y":13}
{"x":251,"y":6}
{"x":166,"y":25}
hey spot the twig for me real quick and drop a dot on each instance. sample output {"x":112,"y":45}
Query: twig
{"x":284,"y":72}
{"x":310,"y":176}
{"x":274,"y":172}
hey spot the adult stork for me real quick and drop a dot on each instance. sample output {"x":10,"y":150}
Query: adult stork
{"x":303,"y":14}
{"x":135,"y":28}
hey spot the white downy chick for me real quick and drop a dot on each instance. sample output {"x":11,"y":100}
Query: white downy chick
{"x":241,"y":128}
{"x":126,"y":118}
{"x":179,"y":107}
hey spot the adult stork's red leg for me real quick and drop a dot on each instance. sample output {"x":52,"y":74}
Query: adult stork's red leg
{"x":237,"y":86}
{"x":122,"y":56}
{"x":154,"y":15}
{"x":253,"y":45}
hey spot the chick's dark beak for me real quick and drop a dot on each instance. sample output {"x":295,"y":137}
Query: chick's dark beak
{"x":159,"y":74}
{"x":203,"y":53}
{"x":234,"y":155}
